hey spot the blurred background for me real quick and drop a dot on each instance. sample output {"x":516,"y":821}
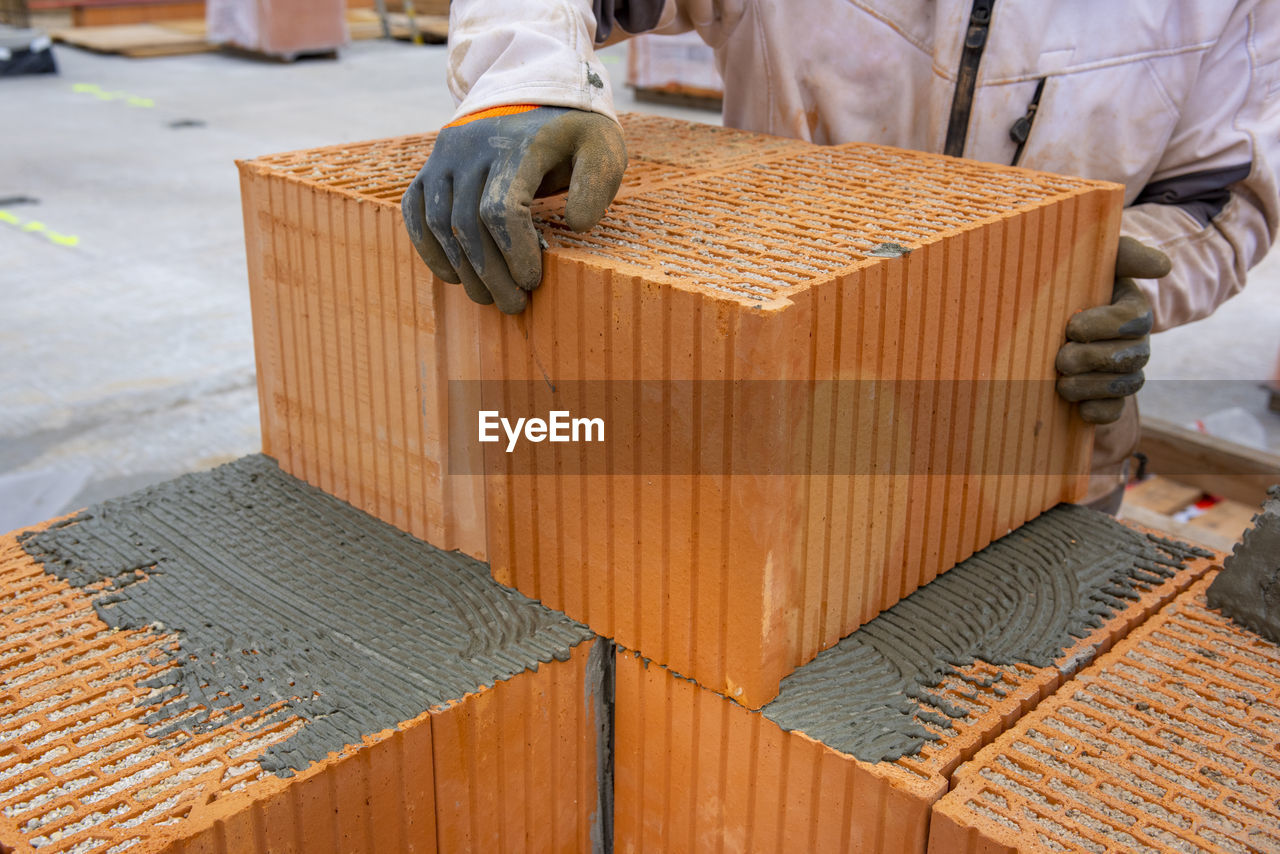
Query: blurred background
{"x":127,"y":356}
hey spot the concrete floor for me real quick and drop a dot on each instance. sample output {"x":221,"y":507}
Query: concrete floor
{"x":127,"y":357}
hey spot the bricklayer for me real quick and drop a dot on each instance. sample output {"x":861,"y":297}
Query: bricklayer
{"x":804,"y":424}
{"x":96,"y":755}
{"x":1166,"y":743}
{"x":696,"y":772}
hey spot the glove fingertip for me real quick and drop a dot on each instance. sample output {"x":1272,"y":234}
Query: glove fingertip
{"x":512,"y":303}
{"x":477,"y":293}
{"x":597,"y":175}
{"x":434,"y":256}
{"x":1136,"y":328}
{"x":586,"y":207}
{"x":1101,"y":411}
{"x":444,"y":274}
{"x":525,"y":264}
{"x":1077,"y":328}
{"x":528,"y":280}
{"x":1135,"y":259}
{"x":1063,"y":363}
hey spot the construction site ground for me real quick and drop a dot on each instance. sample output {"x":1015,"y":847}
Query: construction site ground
{"x":127,"y":356}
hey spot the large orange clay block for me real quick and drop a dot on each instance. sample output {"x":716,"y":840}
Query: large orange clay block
{"x":803,"y":425}
{"x":510,"y":767}
{"x":356,"y":341}
{"x":696,"y":772}
{"x":1167,"y":743}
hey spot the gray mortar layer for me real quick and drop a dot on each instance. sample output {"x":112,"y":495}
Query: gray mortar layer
{"x":1248,"y":588}
{"x":280,"y":594}
{"x":601,"y":684}
{"x":1024,"y":599}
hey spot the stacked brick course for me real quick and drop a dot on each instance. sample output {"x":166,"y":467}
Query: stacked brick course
{"x":97,"y":755}
{"x":825,"y":374}
{"x":696,"y":772}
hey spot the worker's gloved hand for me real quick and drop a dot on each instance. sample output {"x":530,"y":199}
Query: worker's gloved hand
{"x":467,"y":212}
{"x":1107,"y":347}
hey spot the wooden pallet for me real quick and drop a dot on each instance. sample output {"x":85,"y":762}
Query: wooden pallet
{"x":680,"y":96}
{"x":172,"y":38}
{"x":1215,"y":465}
{"x":1186,"y":467}
{"x":1164,"y":504}
{"x":365,"y":24}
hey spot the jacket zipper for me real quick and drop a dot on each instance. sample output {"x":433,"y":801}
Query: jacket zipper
{"x":975,"y":41}
{"x":1022,"y":127}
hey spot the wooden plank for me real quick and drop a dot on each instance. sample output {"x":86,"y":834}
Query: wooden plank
{"x":135,"y":40}
{"x":1181,"y":530}
{"x":158,"y":50}
{"x":433,"y":28}
{"x":681,"y":96}
{"x":1227,"y":518}
{"x":365,"y":24}
{"x":421,"y":7}
{"x":1162,"y":495}
{"x":1215,"y":465}
{"x":1274,"y":403}
{"x":193,"y":26}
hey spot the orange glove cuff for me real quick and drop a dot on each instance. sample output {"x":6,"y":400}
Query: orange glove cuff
{"x":508,"y":110}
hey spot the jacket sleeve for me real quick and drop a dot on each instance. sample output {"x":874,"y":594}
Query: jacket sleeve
{"x":516,"y":52}
{"x":1213,"y":205}
{"x":519,"y":52}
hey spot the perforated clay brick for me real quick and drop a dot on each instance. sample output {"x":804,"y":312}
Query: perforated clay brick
{"x":175,"y":676}
{"x":825,"y":376}
{"x":1168,"y":743}
{"x":696,"y":772}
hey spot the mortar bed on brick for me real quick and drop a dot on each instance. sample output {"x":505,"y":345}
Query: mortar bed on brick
{"x":1168,"y":743}
{"x":895,"y":684}
{"x":691,"y":765}
{"x":100,"y":753}
{"x":71,"y":727}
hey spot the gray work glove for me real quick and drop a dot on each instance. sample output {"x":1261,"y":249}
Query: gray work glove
{"x":1107,"y":347}
{"x":467,"y":212}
